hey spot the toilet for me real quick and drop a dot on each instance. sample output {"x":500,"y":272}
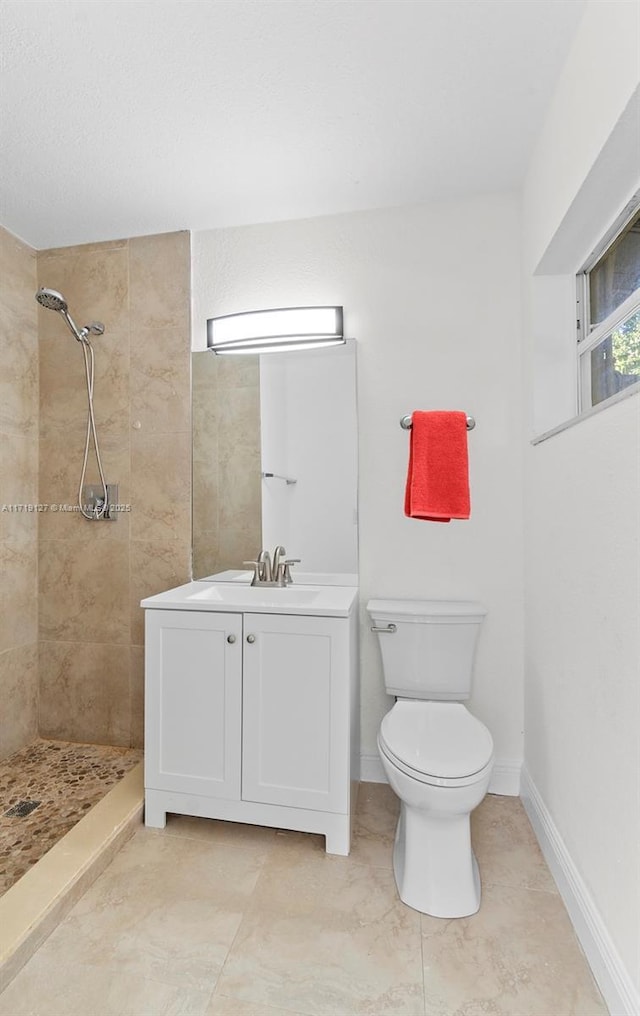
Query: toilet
{"x":437,"y":757}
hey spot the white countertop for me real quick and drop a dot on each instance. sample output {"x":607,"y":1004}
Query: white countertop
{"x":236,"y":597}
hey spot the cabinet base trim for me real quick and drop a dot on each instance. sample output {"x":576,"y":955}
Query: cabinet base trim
{"x":334,"y":827}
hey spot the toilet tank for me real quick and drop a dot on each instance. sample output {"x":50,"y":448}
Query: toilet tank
{"x":430,"y":654}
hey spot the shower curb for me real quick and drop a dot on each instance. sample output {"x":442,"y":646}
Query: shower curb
{"x":32,"y":908}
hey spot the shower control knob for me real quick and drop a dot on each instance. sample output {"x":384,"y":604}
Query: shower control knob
{"x":231,"y":639}
{"x":251,"y":639}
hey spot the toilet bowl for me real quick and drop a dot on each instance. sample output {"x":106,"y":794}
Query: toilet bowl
{"x":439,"y":780}
{"x":436,"y":756}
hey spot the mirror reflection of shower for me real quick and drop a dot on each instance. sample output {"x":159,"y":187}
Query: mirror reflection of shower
{"x":52,"y":300}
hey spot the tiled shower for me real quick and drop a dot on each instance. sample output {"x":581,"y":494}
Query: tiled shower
{"x":71,"y":631}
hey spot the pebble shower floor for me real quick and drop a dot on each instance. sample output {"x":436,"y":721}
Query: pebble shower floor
{"x":45,"y":789}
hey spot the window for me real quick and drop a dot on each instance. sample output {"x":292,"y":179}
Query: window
{"x":609,"y":313}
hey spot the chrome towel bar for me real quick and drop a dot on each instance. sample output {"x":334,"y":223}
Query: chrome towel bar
{"x":405,"y":422}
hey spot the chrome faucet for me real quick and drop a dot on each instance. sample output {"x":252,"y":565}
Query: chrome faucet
{"x":265,"y":573}
{"x":272,"y":573}
{"x":278,"y":557}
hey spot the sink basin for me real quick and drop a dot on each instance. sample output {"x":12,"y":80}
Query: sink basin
{"x":300,"y":578}
{"x":236,"y":597}
{"x":248,"y":596}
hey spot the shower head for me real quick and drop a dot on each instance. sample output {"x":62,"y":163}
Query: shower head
{"x":50,"y":299}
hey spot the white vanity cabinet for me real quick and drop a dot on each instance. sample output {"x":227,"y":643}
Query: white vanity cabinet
{"x":252,"y":717}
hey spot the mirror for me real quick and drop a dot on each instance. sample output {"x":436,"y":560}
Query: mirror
{"x":275,"y":459}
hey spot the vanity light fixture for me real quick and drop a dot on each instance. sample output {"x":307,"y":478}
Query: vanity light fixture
{"x":275,"y":331}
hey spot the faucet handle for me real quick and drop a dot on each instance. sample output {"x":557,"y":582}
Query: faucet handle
{"x":286,"y":566}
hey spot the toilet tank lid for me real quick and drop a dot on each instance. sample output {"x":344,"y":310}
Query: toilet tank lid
{"x":425,"y":610}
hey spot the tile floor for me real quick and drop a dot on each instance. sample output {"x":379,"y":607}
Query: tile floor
{"x":65,"y":780}
{"x":214,"y":919}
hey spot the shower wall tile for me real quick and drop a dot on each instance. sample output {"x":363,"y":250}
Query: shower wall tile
{"x":161,"y":486}
{"x":155,"y":566}
{"x":63,"y":394}
{"x":19,"y":697}
{"x":236,"y":545}
{"x":18,"y":472}
{"x":18,"y":486}
{"x":84,"y":587}
{"x":17,"y":277}
{"x":160,"y":281}
{"x":18,"y":591}
{"x":60,"y":464}
{"x":93,"y":574}
{"x":84,"y":692}
{"x":95,"y":285}
{"x":136,"y":692}
{"x":238,"y":371}
{"x":160,"y":381}
{"x":83,"y":248}
{"x":18,"y":373}
{"x":206,"y":552}
{"x":227,"y":487}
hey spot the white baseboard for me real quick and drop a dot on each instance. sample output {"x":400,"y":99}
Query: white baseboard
{"x":371,"y":770}
{"x":505,"y":778}
{"x":613,"y":979}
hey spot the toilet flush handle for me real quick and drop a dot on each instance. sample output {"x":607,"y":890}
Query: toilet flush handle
{"x":387,"y":630}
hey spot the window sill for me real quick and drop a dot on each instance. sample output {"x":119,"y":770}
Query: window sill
{"x":620,"y":397}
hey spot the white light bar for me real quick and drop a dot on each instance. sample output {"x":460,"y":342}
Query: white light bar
{"x":270,"y":331}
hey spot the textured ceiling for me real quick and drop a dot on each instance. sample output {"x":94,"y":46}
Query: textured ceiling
{"x":127,"y":118}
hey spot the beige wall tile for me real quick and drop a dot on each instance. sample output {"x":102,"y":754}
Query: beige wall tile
{"x":19,"y":697}
{"x":18,"y":485}
{"x":205,"y":495}
{"x":63,"y":389}
{"x":240,"y":491}
{"x":136,"y":695}
{"x":88,"y":592}
{"x":60,"y":467}
{"x":238,"y":371}
{"x":18,"y":591}
{"x":18,"y":276}
{"x":44,"y":256}
{"x":205,"y":371}
{"x":155,"y":566}
{"x":84,"y":586}
{"x":160,"y":387}
{"x":18,"y":469}
{"x":239,"y":419}
{"x":84,"y":692}
{"x":236,"y":545}
{"x":160,"y":486}
{"x":160,"y":281}
{"x":18,"y":378}
{"x":95,"y":285}
{"x":205,"y":553}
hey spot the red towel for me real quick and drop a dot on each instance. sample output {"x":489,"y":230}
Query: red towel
{"x":438,"y":476}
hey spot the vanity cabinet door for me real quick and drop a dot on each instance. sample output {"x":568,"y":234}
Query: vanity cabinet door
{"x":296,"y":711}
{"x":193,"y":688}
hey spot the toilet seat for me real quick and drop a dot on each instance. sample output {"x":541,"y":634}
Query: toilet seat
{"x":435,"y":742}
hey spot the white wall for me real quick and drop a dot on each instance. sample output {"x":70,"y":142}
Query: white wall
{"x":582,"y":498}
{"x":297,"y":392}
{"x":432,"y":296}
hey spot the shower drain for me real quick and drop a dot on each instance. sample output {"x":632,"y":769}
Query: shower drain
{"x":22,"y":809}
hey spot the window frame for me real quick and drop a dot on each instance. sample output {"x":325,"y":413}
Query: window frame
{"x":589,"y":337}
